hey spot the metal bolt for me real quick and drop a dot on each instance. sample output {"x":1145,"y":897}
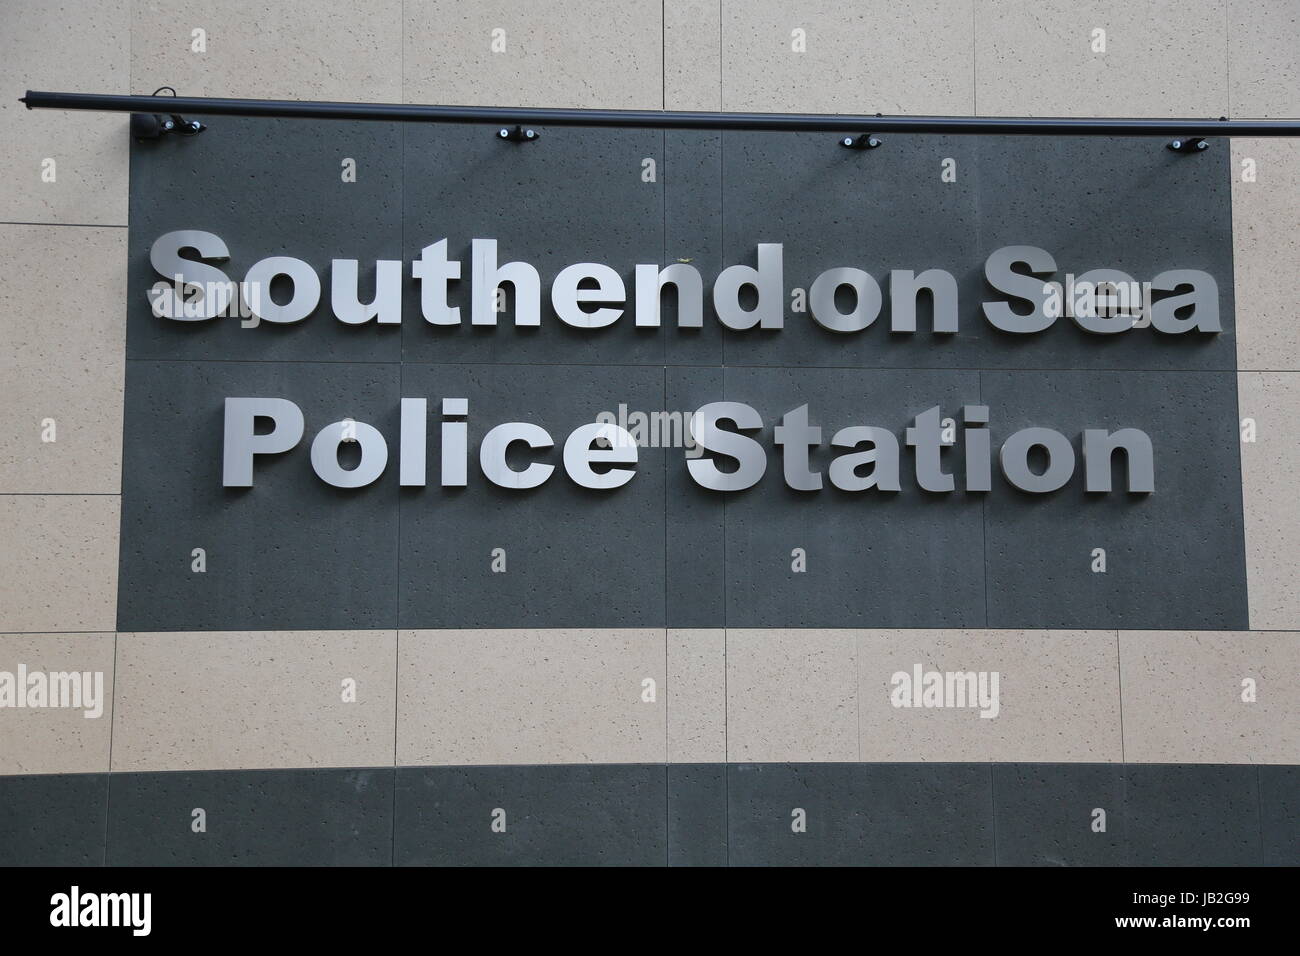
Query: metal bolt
{"x":530,"y":134}
{"x":1176,"y":144}
{"x":847,"y":141}
{"x":873,"y":142}
{"x":504,"y":133}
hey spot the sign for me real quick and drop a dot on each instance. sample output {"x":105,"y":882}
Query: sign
{"x":780,"y":384}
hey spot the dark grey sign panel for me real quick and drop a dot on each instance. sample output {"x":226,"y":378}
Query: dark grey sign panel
{"x":486,"y":556}
{"x":418,"y":207}
{"x":906,"y":558}
{"x":289,"y":553}
{"x":268,"y":188}
{"x":1173,"y":558}
{"x":948,"y":202}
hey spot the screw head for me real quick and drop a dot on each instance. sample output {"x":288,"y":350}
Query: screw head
{"x":168,"y":125}
{"x":873,"y":142}
{"x":1176,"y":144}
{"x":504,"y":133}
{"x":847,"y":141}
{"x":530,"y":134}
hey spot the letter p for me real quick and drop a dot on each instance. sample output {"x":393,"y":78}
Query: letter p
{"x":242,"y":442}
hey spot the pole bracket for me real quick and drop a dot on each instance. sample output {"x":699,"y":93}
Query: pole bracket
{"x":517,"y":135}
{"x":863,"y":141}
{"x":151,"y":126}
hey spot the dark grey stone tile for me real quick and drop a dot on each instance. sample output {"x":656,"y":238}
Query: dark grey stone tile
{"x":696,"y":561}
{"x":53,"y":819}
{"x":269,"y":187}
{"x":559,"y":815}
{"x":1045,"y":814}
{"x":576,"y":195}
{"x":1099,"y":202}
{"x":697,"y":814}
{"x":693,"y":232}
{"x":290,"y":552}
{"x":874,"y":559}
{"x":574,"y":557}
{"x":874,"y":210}
{"x":861,"y":814}
{"x":1174,"y":558}
{"x":1279,"y":797}
{"x":253,"y":818}
{"x":1091,"y":202}
{"x":1193,"y":815}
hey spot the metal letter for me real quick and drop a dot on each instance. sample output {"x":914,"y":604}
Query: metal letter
{"x":796,"y":438}
{"x":455,"y":443}
{"x":1014,"y":457}
{"x":768,"y":278}
{"x":411,"y":451}
{"x":487,"y":277}
{"x":166,"y":260}
{"x":978,"y":456}
{"x":579,"y":455}
{"x":1100,"y":324}
{"x":883,"y":454}
{"x":492,"y":455}
{"x":345,"y":298}
{"x":1204,"y":299}
{"x":821,"y":300}
{"x":1000,"y":275}
{"x":566,"y":297}
{"x":242,"y":443}
{"x":257,"y":289}
{"x":1099,"y":447}
{"x":905,"y":286}
{"x":650,"y":281}
{"x":325,"y":454}
{"x":927,"y":438}
{"x":433,"y":270}
{"x":749,"y":454}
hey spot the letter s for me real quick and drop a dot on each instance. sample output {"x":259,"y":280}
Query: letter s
{"x":749,"y":454}
{"x":1000,"y":274}
{"x":165,"y":257}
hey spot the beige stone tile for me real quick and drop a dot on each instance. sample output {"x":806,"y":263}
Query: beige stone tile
{"x":63,"y":47}
{"x":1183,"y":696}
{"x":348,"y":50}
{"x":58,"y":569}
{"x":530,"y":696}
{"x":1270,"y":488}
{"x":561,"y":53}
{"x":692,"y":55}
{"x":63,"y":738}
{"x":1264,"y":58}
{"x":1057,"y":700}
{"x":697,"y":700}
{"x":874,"y":56}
{"x":62,"y":327}
{"x":218,"y":700}
{"x":1266,"y":251}
{"x":791,"y":695}
{"x":1162,"y":58}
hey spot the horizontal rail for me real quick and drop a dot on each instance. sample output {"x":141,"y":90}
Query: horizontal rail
{"x":660,"y":119}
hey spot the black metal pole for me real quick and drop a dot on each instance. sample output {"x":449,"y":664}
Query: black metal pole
{"x":660,"y":119}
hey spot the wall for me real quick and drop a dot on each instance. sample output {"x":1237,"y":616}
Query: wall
{"x":1135,"y":714}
